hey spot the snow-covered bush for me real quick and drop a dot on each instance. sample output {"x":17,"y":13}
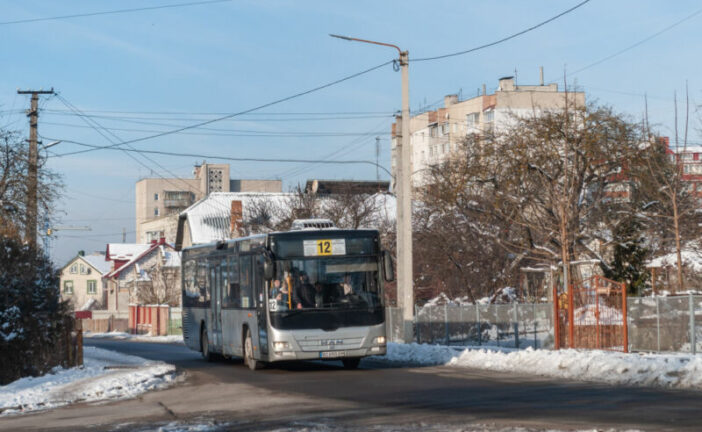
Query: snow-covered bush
{"x":33,"y":320}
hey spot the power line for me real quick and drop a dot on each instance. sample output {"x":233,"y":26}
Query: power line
{"x":117,"y":11}
{"x":228,"y":116}
{"x":505,"y":39}
{"x":223,"y":132}
{"x":642,"y":41}
{"x":237,"y":159}
{"x":220,"y":113}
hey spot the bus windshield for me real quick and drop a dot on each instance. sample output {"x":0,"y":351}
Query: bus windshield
{"x":324,"y":284}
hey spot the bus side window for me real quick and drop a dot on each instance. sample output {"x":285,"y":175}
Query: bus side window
{"x":247,"y":300}
{"x":201,"y":279}
{"x":233,"y":294}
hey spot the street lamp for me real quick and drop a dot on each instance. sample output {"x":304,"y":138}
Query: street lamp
{"x":403,"y":192}
{"x":51,"y":144}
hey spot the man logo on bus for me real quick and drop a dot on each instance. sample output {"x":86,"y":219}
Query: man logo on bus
{"x":331,"y":342}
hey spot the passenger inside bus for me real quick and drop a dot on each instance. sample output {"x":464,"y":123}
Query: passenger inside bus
{"x":303,"y":292}
{"x":280,"y":293}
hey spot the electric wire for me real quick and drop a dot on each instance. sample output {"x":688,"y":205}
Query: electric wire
{"x":634,"y":45}
{"x":245,"y":133}
{"x":110,"y":12}
{"x":228,"y":116}
{"x":505,"y":39}
{"x":221,"y":157}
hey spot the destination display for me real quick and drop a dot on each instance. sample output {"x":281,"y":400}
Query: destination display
{"x":324,"y":247}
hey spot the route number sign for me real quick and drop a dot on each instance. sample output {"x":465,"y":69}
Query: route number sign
{"x":324,"y":247}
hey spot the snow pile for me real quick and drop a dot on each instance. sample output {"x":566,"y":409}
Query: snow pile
{"x":691,"y":258}
{"x":649,"y":370}
{"x":135,"y":337}
{"x":593,"y":314}
{"x":104,"y":375}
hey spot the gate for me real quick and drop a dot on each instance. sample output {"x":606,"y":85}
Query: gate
{"x":592,"y":315}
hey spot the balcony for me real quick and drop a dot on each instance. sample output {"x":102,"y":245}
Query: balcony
{"x":177,"y":203}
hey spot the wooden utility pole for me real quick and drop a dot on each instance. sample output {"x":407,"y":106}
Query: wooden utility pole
{"x":32,"y":183}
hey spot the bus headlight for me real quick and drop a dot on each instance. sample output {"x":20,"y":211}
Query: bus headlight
{"x":280,"y":346}
{"x":380,"y":340}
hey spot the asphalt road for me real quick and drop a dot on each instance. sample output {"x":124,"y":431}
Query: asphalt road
{"x":314,"y":396}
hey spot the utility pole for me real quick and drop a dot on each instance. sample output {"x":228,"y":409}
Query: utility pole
{"x":377,"y":159}
{"x":30,"y":235}
{"x":124,"y":235}
{"x":403,"y":192}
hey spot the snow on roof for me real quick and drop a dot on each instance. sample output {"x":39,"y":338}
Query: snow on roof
{"x":97,"y":261}
{"x":691,"y":258}
{"x":173,"y":259}
{"x":124,"y":251}
{"x":209,"y":219}
{"x":89,"y":304}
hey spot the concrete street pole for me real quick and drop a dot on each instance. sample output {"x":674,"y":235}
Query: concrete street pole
{"x":405,"y":280}
{"x":403,"y":192}
{"x":30,"y":235}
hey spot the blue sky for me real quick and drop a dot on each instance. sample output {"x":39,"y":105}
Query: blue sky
{"x":133,"y":71}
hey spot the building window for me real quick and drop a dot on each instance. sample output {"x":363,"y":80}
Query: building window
{"x":489,"y":116}
{"x":156,"y":212}
{"x":68,"y":287}
{"x":444,"y":129}
{"x":92,"y":287}
{"x":156,"y":197}
{"x":433,"y":131}
{"x":83,"y":269}
{"x":73,"y":269}
{"x":472,"y":119}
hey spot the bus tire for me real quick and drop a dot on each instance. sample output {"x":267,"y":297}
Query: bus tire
{"x":249,"y":359}
{"x":205,"y":345}
{"x":351,"y":363}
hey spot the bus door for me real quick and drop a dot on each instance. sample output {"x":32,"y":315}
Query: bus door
{"x":261,"y":302}
{"x":216,"y":283}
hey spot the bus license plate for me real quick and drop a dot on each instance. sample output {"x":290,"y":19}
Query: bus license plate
{"x":332,"y":354}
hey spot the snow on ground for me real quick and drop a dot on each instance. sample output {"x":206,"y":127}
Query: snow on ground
{"x":135,"y":337}
{"x":322,"y":426}
{"x":104,"y":375}
{"x":646,"y":370}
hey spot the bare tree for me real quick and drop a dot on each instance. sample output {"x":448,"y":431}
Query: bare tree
{"x":13,"y":185}
{"x":535,"y":191}
{"x":162,"y":282}
{"x":668,"y":205}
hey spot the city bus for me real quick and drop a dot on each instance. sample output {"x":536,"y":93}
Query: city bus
{"x":297,"y":295}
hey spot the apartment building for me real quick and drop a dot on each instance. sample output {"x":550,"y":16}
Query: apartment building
{"x":436,"y":134}
{"x":160,"y":200}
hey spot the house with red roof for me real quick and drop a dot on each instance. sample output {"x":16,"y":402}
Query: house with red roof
{"x":142,"y":274}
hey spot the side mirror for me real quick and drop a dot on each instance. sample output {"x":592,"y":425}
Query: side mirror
{"x":388,"y":268}
{"x":268,"y":269}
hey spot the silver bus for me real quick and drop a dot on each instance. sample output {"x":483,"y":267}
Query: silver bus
{"x":295,"y":295}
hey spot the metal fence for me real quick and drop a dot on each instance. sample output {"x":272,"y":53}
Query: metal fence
{"x":665,"y":323}
{"x":175,"y":321}
{"x":517,"y":325}
{"x":656,"y":324}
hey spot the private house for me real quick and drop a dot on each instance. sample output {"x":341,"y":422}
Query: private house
{"x":160,"y":200}
{"x":81,"y":281}
{"x":142,"y":274}
{"x":222,"y":215}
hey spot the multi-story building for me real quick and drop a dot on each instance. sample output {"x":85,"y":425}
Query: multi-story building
{"x":436,"y":134}
{"x":159,"y":200}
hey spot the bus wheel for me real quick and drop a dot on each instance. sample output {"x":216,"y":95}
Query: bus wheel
{"x":205,"y":345}
{"x":351,"y":363}
{"x":249,"y":359}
